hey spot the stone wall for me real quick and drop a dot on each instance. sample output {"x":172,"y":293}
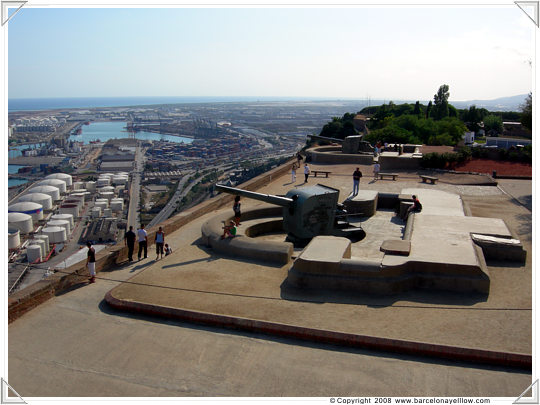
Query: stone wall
{"x":30,"y":297}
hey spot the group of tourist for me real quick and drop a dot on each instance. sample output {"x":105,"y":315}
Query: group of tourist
{"x":141,"y":236}
{"x":296,"y":166}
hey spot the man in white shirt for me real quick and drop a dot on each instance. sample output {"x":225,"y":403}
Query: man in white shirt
{"x":142,"y":238}
{"x":306,"y":172}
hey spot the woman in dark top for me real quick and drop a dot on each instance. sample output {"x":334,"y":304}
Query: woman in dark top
{"x":91,"y":262}
{"x":237,"y":211}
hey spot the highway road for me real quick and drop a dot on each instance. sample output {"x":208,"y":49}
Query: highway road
{"x":166,"y":212}
{"x":134,"y":192}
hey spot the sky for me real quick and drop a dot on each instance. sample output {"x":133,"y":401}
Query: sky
{"x":404,"y":52}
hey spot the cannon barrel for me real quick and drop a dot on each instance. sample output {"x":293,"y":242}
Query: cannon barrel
{"x":272,"y":199}
{"x":325,"y":138}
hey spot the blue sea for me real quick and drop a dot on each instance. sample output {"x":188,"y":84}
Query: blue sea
{"x":15,"y":182}
{"x":15,"y":151}
{"x":35,"y":104}
{"x":103,"y":131}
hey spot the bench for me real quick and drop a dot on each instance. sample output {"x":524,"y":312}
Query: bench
{"x":383,"y":175}
{"x":315,"y":172}
{"x":433,"y":180}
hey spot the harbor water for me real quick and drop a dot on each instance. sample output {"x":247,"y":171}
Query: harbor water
{"x":103,"y":131}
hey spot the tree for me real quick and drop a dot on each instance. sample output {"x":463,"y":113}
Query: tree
{"x":494,"y":122}
{"x":417,"y":110}
{"x":441,"y":102}
{"x":428,"y":110}
{"x":526,"y":112}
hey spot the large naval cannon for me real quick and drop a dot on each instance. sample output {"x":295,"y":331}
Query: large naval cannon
{"x":307,"y":212}
{"x":351,"y":144}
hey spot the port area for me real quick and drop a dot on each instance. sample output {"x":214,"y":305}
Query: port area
{"x":198,"y":285}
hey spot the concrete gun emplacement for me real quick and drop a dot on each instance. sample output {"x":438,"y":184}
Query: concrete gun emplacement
{"x":307,"y":212}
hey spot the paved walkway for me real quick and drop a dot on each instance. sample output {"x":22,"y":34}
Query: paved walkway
{"x":195,"y":278}
{"x":76,"y":345}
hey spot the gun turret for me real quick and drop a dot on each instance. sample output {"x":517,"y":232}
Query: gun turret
{"x":326,"y":138}
{"x":307,"y":212}
{"x":272,"y":199}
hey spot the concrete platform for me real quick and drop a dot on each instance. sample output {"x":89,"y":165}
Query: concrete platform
{"x":204,"y":286}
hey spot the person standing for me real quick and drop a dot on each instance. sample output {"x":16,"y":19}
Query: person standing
{"x":142,"y":238}
{"x":237,"y":210}
{"x":91,"y":262}
{"x":357,"y":174}
{"x":306,"y":172}
{"x":293,"y":173}
{"x":129,"y":240}
{"x":376,"y":170}
{"x":299,"y":159}
{"x":160,"y":240}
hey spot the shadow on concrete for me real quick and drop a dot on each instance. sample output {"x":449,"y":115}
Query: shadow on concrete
{"x":215,"y":256}
{"x":106,"y":309}
{"x":416,"y":297}
{"x":144,"y":263}
{"x":525,"y":227}
{"x":208,"y":259}
{"x":72,"y":288}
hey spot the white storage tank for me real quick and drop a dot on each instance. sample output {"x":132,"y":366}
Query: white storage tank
{"x":72,"y":209}
{"x":109,"y":195}
{"x":103,"y":181}
{"x":60,"y":222}
{"x":66,"y":178}
{"x":107,"y":213}
{"x":20,"y":221}
{"x":95,"y":212}
{"x":77,"y":196}
{"x":45,"y":239}
{"x":41,"y":244}
{"x":33,"y":209}
{"x":91,"y":186}
{"x":54,"y":192}
{"x":78,"y":185}
{"x":14,"y":238}
{"x":101,"y":205}
{"x":59,"y":184}
{"x":117,"y":205}
{"x":105,"y":188}
{"x":44,"y":199}
{"x":56,"y":234}
{"x":64,"y":217}
{"x":119,"y":180}
{"x":78,"y":202}
{"x":82,"y":192}
{"x":33,"y":253}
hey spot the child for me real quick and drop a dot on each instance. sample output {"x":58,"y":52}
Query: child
{"x":229,"y":231}
{"x":168,"y":250}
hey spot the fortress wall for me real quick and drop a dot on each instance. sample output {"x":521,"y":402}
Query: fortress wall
{"x":399,"y":162}
{"x":336,"y":157}
{"x":30,"y":297}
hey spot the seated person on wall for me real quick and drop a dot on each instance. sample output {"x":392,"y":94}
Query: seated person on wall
{"x":415,"y":207}
{"x":229,"y":231}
